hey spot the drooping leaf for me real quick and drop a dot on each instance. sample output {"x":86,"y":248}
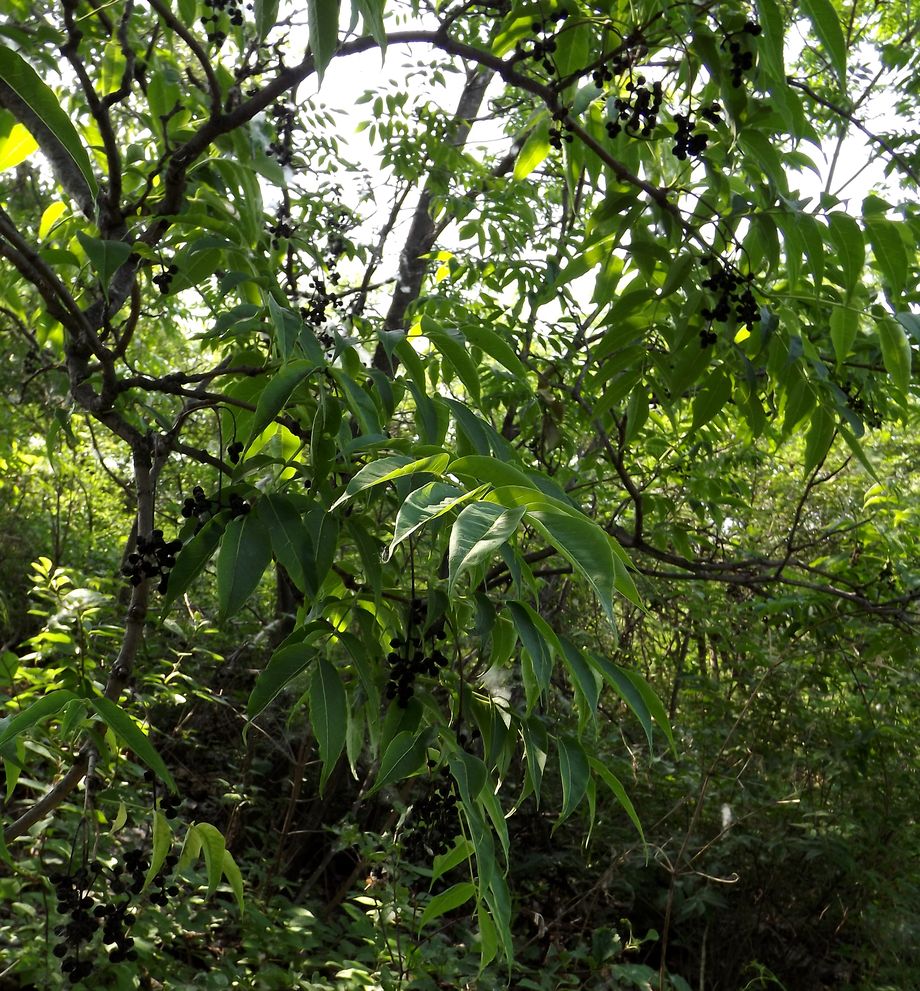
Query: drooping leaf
{"x":160,"y":845}
{"x":389,"y":468}
{"x":405,"y":756}
{"x":47,"y":705}
{"x":25,"y":82}
{"x":124,"y":727}
{"x":276,"y":393}
{"x":191,"y":560}
{"x":477,"y":533}
{"x":896,"y":352}
{"x":106,"y":257}
{"x":328,"y":714}
{"x":455,"y":896}
{"x":574,"y":772}
{"x":323,"y":18}
{"x":245,"y":553}
{"x":826,"y":23}
{"x":422,"y":506}
{"x":619,"y":792}
{"x":285,"y":664}
{"x":214,"y":846}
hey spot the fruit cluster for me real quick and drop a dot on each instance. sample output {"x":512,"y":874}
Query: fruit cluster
{"x":560,"y":131}
{"x":743,"y":58}
{"x":163,"y":280}
{"x":637,"y":114}
{"x":282,"y":227}
{"x":690,"y":142}
{"x":235,"y":451}
{"x":212,"y":21}
{"x":734,"y":295}
{"x":111,"y":911}
{"x":285,"y":119}
{"x":320,"y":298}
{"x":416,"y":654}
{"x":203,"y":507}
{"x":544,"y":46}
{"x":433,"y":823}
{"x":152,"y":557}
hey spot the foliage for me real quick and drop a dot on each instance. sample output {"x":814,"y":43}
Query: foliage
{"x":536,"y":500}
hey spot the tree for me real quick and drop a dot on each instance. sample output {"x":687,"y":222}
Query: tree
{"x":466,"y":471}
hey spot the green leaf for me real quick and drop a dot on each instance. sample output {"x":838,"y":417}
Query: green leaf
{"x":534,"y":151}
{"x":461,"y":851}
{"x":485,"y":469}
{"x":890,"y":253}
{"x":372,"y":15}
{"x":455,"y":896}
{"x":573,"y":769}
{"x":540,"y":643}
{"x":190,"y":561}
{"x":323,"y":16}
{"x":619,"y":792}
{"x":16,"y":147}
{"x":389,"y":468}
{"x":284,"y":665}
{"x":29,"y":87}
{"x":585,"y":546}
{"x":844,"y":323}
{"x":423,"y":505}
{"x":496,"y":347}
{"x":452,"y":346}
{"x":477,"y":533}
{"x":329,"y":715}
{"x":289,"y":537}
{"x":771,"y":45}
{"x":896,"y":352}
{"x":266,"y":13}
{"x":160,"y":845}
{"x":127,"y":730}
{"x":652,"y":703}
{"x":214,"y":847}
{"x":711,"y":399}
{"x":106,"y":257}
{"x":276,"y":393}
{"x":234,"y":878}
{"x":617,"y":678}
{"x":245,"y":553}
{"x":47,"y":705}
{"x":819,"y":439}
{"x":850,"y":248}
{"x":827,"y":27}
{"x":405,"y":756}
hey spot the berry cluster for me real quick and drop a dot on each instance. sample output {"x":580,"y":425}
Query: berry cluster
{"x":637,"y":114}
{"x":75,"y":901}
{"x":742,"y":58}
{"x":689,"y":141}
{"x":868,"y":414}
{"x":234,"y":453}
{"x":152,"y":557}
{"x":314,"y":313}
{"x":203,"y":507}
{"x":164,"y":279}
{"x":413,"y":656}
{"x":285,"y":119}
{"x":433,"y":824}
{"x":560,"y":131}
{"x":733,"y":295}
{"x":282,"y":228}
{"x":211,"y":22}
{"x":542,"y":49}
